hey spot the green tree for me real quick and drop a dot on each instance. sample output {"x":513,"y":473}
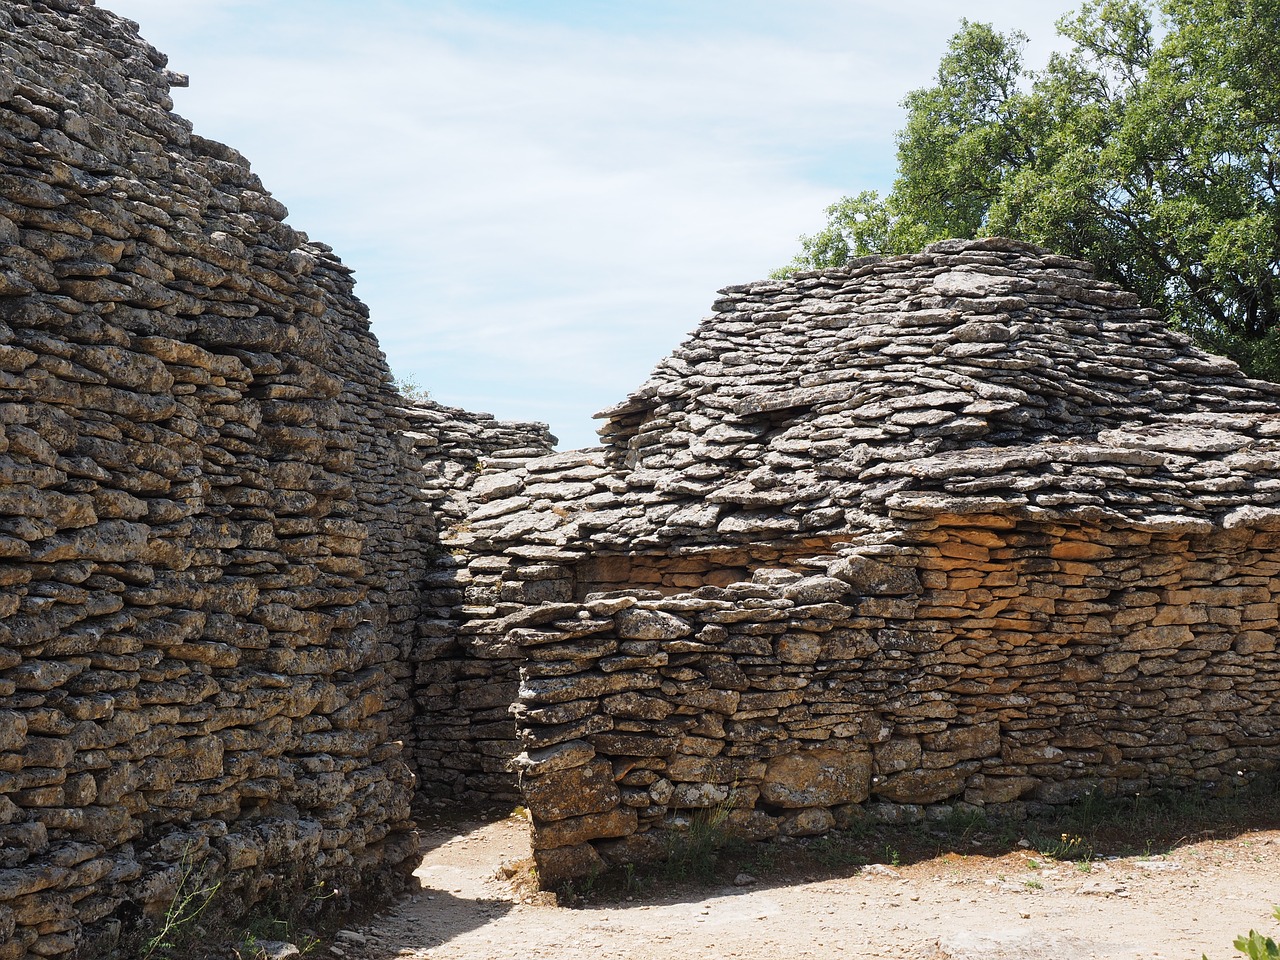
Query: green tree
{"x":1149,"y":147}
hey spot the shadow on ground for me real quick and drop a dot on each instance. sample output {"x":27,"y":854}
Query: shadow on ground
{"x":464,"y":888}
{"x":1094,"y":829}
{"x":448,"y":896}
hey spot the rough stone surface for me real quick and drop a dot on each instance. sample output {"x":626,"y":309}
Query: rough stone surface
{"x":817,"y":778}
{"x":209,"y":516}
{"x":966,"y":526}
{"x":970,"y":520}
{"x":463,"y":736}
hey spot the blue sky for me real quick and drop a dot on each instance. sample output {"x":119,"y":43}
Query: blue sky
{"x":541,"y":197}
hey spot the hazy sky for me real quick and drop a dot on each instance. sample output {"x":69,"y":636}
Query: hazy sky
{"x":541,"y":197}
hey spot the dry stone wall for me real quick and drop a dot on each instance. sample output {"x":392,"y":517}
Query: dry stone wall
{"x":498,"y":562}
{"x":464,"y":735}
{"x":985,"y":662}
{"x":963,"y":527}
{"x":209,"y":521}
{"x":968,"y":526}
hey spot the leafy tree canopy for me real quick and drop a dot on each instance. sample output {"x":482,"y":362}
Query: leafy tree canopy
{"x":1150,"y":148}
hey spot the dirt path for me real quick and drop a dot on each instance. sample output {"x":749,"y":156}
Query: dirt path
{"x":1014,"y":907}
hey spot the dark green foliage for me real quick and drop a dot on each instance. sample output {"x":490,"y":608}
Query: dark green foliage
{"x":1149,"y":148}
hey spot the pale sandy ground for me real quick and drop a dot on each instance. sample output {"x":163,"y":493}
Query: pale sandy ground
{"x":1196,"y":899}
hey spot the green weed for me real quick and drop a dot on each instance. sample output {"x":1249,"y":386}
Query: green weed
{"x":412,"y":391}
{"x":1255,"y":946}
{"x":962,"y":824}
{"x":1068,"y":846}
{"x":178,"y":925}
{"x":835,"y":850}
{"x":631,"y":882}
{"x":693,"y":854}
{"x":763,"y":857}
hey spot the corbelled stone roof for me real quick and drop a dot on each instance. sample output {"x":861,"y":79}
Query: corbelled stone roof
{"x":973,"y":375}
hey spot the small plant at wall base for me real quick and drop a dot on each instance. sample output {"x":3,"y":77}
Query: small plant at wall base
{"x":631,"y":882}
{"x":835,"y":851}
{"x":1068,"y":846}
{"x":694,"y":853}
{"x":178,"y":926}
{"x":297,"y":910}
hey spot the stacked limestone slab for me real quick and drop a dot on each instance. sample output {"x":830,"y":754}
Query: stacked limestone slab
{"x":463,"y":733}
{"x":804,"y":404}
{"x":968,"y":526}
{"x":209,"y":543}
{"x":990,"y":662}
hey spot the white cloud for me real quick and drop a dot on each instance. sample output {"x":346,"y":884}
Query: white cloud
{"x":538,"y":210}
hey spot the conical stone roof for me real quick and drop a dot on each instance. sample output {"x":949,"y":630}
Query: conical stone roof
{"x":974,"y":375}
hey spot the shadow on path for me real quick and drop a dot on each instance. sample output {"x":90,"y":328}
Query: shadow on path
{"x":459,"y":890}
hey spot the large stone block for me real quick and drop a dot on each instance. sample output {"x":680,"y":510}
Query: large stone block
{"x":817,"y":778}
{"x":554,"y":759}
{"x":897,"y":755}
{"x":575,"y":792}
{"x":1169,"y":637}
{"x":965,"y":743}
{"x":923,"y":786}
{"x":806,"y":823}
{"x":869,"y":576}
{"x":636,"y":623}
{"x":1003,"y":789}
{"x":559,"y":864}
{"x":816,"y":590}
{"x":714,"y":769}
{"x":13,"y":730}
{"x":618,"y":822}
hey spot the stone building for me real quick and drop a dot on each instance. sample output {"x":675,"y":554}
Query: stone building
{"x":463,"y":735}
{"x":964,"y":527}
{"x":968,"y":526}
{"x":212,"y":532}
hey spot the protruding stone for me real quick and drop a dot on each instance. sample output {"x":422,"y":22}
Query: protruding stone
{"x":574,"y":792}
{"x":562,"y":756}
{"x":619,"y":822}
{"x":637,"y":623}
{"x":559,"y":864}
{"x":806,"y":823}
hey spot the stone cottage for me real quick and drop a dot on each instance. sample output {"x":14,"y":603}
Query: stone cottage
{"x":968,"y":526}
{"x":964,"y":527}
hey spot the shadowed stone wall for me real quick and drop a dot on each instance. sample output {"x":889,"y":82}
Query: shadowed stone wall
{"x":464,"y":735}
{"x":210,"y":543}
